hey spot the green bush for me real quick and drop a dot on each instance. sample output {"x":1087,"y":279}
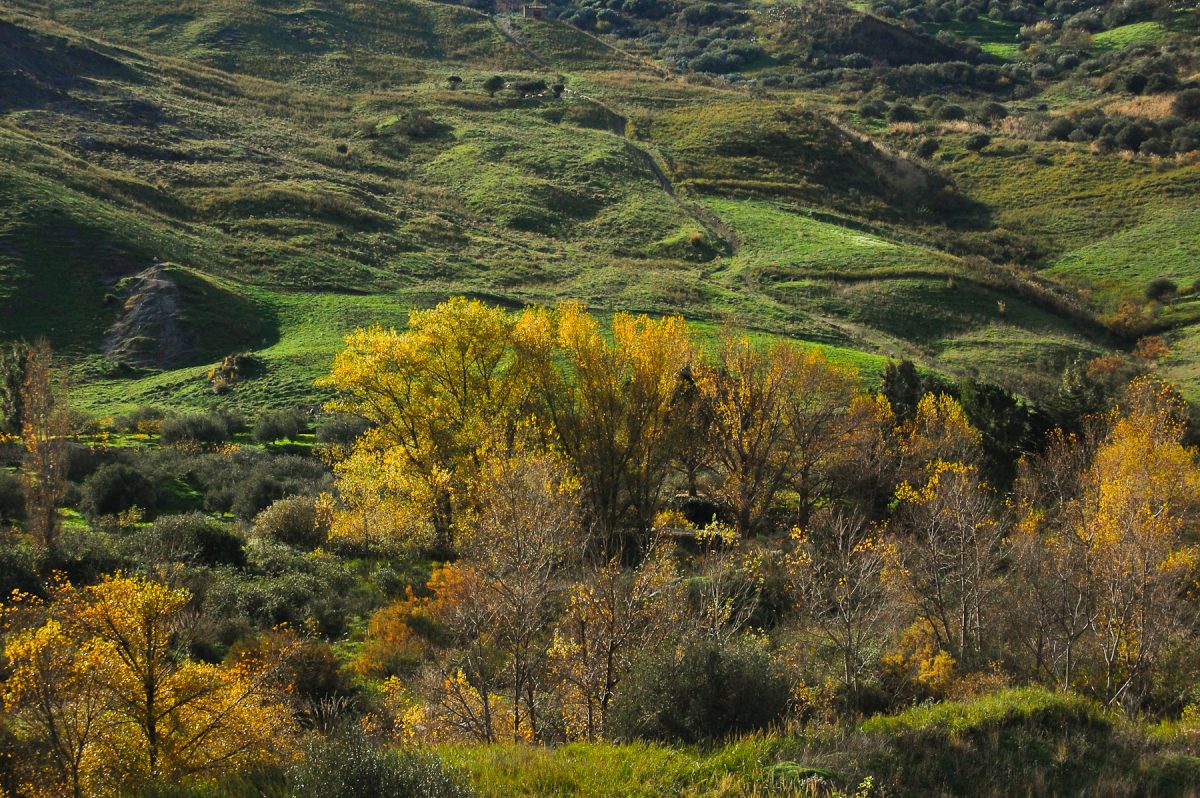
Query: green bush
{"x":1161,"y":288}
{"x":927,"y":147}
{"x":12,"y":498}
{"x":1186,"y":104}
{"x":114,"y":489}
{"x":194,"y":537}
{"x":711,"y":692}
{"x":256,"y":493}
{"x":195,"y":428}
{"x":293,"y":521}
{"x":493,"y":84}
{"x":354,"y":768}
{"x":140,"y":419}
{"x":977,"y":141}
{"x":341,"y":429}
{"x":950,"y":112}
{"x":247,"y":482}
{"x":277,"y":425}
{"x":18,"y":570}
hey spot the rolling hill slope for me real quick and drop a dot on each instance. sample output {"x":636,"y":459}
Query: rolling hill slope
{"x":302,"y":168}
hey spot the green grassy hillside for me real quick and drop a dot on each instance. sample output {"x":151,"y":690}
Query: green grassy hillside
{"x":319,"y":156}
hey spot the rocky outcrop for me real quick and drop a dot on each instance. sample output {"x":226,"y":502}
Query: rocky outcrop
{"x":149,"y":331}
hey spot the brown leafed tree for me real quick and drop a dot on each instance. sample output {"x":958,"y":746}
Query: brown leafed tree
{"x":525,"y":531}
{"x":953,"y":551}
{"x":44,"y":429}
{"x":837,"y":572}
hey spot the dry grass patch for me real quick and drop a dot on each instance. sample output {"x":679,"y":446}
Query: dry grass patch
{"x":1156,"y":106}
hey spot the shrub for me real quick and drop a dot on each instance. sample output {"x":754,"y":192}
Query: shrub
{"x":18,"y":570}
{"x":951,"y":112}
{"x":194,"y":428}
{"x":1155,"y":147}
{"x":115,"y":489}
{"x":977,"y":141}
{"x":143,"y":419}
{"x":276,"y":425}
{"x":293,"y":521}
{"x":354,"y":768}
{"x":232,"y":418}
{"x":1187,"y":104}
{"x":256,"y":493}
{"x":419,"y":124}
{"x":993,"y":111}
{"x":871,"y":109}
{"x":903,"y":112}
{"x":709,"y":693}
{"x":194,"y":537}
{"x":1060,"y":130}
{"x":233,"y":369}
{"x":1160,"y":82}
{"x":1182,"y":142}
{"x":527,"y":87}
{"x":1044,"y":72}
{"x":927,"y":147}
{"x":1136,"y":83}
{"x":12,"y":498}
{"x":250,"y":481}
{"x":1131,"y":137}
{"x":341,"y":429}
{"x":1161,"y":288}
{"x":493,"y":84}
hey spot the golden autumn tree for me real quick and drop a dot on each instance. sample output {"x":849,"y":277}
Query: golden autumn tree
{"x":52,"y":695}
{"x":863,"y":473}
{"x":433,"y":394}
{"x":611,"y":407}
{"x":1054,"y":608}
{"x":1104,"y":547}
{"x":1141,"y":499}
{"x":749,"y":389}
{"x":729,"y":580}
{"x":468,"y":679}
{"x":95,"y":674}
{"x":939,"y":430}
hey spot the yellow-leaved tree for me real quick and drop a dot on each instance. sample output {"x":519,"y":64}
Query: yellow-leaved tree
{"x":1105,"y":549}
{"x":96,"y":682}
{"x":839,"y":572}
{"x":44,"y":429}
{"x":749,"y":390}
{"x":611,"y":615}
{"x":434,"y":395}
{"x":827,"y":423}
{"x":611,"y":407}
{"x":1141,"y":497}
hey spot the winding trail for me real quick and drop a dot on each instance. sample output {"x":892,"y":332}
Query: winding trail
{"x":505,"y":27}
{"x":650,"y":157}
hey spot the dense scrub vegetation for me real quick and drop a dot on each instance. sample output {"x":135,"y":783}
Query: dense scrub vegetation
{"x":541,"y":532}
